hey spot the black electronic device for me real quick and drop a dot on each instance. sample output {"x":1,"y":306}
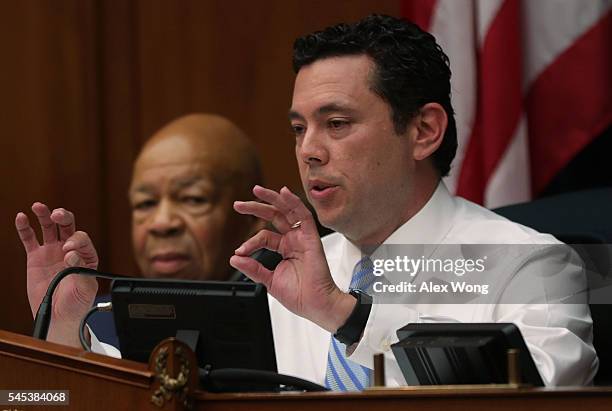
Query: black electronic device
{"x":462,"y":353}
{"x":227,"y":323}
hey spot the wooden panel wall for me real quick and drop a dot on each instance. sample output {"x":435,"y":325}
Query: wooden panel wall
{"x":84,"y":82}
{"x":50,"y":138}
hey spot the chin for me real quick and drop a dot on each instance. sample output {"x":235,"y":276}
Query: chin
{"x":154,"y":274}
{"x":333,"y":219}
{"x":165,"y":274}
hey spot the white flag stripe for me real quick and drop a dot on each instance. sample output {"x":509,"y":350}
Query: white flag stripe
{"x":548,"y":29}
{"x":510,"y":182}
{"x":486,"y":12}
{"x":551,"y":27}
{"x":457,"y":41}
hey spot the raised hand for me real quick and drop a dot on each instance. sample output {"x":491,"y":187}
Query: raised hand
{"x":61,"y":247}
{"x":302,"y":281}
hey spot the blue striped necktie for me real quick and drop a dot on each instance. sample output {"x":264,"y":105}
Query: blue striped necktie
{"x":343,"y":374}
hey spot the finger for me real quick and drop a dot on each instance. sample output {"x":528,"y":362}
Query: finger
{"x":252,"y":269}
{"x":298,"y":209}
{"x":263,"y":239}
{"x":296,"y":212}
{"x":26,"y":233}
{"x":73,"y":259}
{"x":265,"y":211}
{"x":80,"y":243}
{"x":286,"y":202}
{"x":261,"y":210}
{"x":65,"y":221}
{"x":271,"y":197}
{"x":49,"y":229}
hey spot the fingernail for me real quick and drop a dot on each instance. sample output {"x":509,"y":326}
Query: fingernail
{"x":68,"y":244}
{"x":239,"y":250}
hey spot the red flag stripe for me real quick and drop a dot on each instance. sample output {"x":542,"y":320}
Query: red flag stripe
{"x":419,"y":11}
{"x":499,"y":103}
{"x":569,"y":104}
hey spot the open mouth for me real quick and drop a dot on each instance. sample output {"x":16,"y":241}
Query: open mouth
{"x":321,"y":191}
{"x":320,"y":188}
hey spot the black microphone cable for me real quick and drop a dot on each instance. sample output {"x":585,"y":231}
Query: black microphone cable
{"x":43,"y":315}
{"x":102,"y":307}
{"x":212,"y":378}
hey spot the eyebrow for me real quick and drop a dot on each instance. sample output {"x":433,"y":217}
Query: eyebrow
{"x":180,"y":184}
{"x":141,"y":188}
{"x":294,"y":115}
{"x":325,"y":109}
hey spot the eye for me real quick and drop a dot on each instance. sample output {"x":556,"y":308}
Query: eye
{"x":144,"y":205}
{"x":337,"y":123}
{"x":194,"y":200}
{"x":298,"y":129}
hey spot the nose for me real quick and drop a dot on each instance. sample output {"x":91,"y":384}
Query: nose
{"x":165,"y":221}
{"x":312,"y":150}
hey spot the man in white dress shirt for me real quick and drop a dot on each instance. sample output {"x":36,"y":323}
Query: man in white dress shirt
{"x":375,"y":134}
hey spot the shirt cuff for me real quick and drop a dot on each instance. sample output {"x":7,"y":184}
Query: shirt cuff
{"x":99,"y":347}
{"x":380,"y":332}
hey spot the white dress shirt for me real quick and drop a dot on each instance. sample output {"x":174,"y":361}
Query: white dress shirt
{"x":559,"y":336}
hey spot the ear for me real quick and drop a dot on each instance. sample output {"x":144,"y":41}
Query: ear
{"x":430,"y":126}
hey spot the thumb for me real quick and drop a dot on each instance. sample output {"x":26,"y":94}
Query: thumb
{"x":72,"y":259}
{"x":80,"y":250}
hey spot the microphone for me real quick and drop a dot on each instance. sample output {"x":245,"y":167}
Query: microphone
{"x":43,"y":315}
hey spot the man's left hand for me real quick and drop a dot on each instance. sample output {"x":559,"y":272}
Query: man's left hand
{"x":302,"y":281}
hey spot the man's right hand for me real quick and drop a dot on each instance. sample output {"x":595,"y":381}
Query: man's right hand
{"x":61,"y":247}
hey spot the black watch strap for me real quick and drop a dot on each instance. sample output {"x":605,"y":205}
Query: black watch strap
{"x":351,"y":331}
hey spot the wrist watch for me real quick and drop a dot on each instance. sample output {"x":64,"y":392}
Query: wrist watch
{"x":350,"y":332}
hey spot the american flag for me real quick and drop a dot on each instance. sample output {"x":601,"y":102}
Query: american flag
{"x":531,"y":83}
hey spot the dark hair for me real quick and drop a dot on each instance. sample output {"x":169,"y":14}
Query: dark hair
{"x":411,"y":69}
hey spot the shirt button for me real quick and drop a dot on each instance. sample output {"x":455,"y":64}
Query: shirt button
{"x":386,"y":346}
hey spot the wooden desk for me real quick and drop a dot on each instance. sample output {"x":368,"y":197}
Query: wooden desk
{"x":98,"y":382}
{"x":540,"y":399}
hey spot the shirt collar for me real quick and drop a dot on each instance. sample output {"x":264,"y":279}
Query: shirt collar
{"x":429,"y":225}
